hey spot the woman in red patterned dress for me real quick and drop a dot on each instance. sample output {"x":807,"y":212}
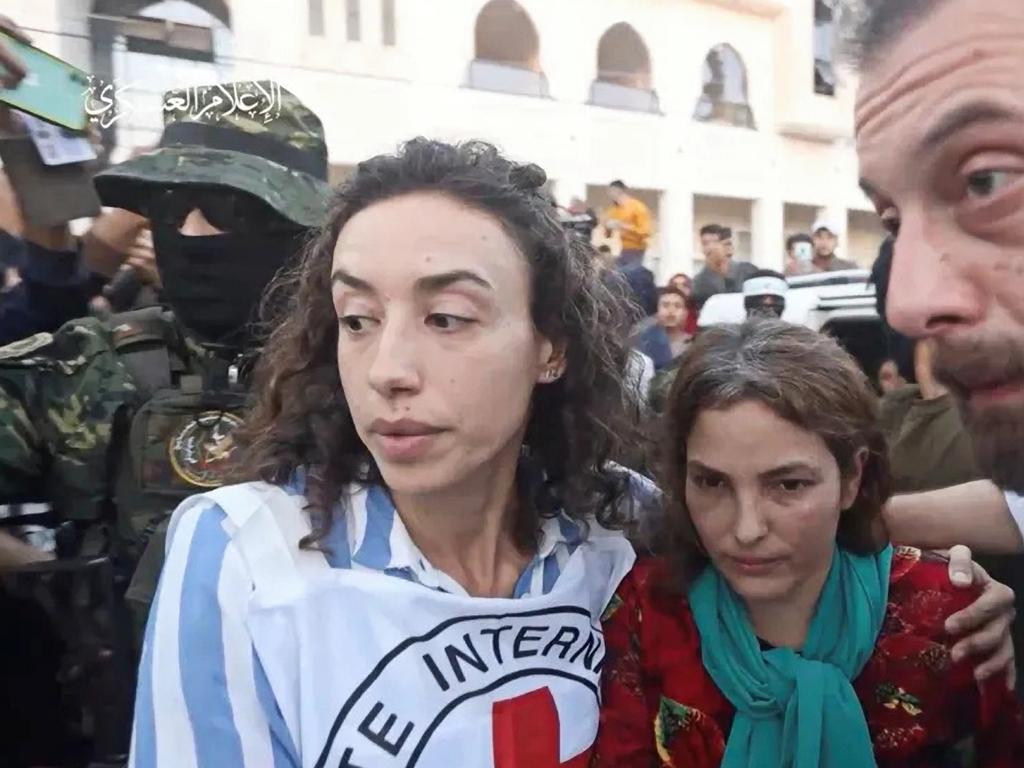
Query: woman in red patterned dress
{"x":781,"y":628}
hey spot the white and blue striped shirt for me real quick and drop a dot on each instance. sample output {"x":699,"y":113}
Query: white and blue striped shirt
{"x":203,"y":697}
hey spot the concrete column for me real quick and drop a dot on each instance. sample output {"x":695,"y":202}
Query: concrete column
{"x":675,"y":233}
{"x":768,"y":233}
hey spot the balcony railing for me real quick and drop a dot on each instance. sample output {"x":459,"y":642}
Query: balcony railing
{"x":615,"y":96}
{"x":486,"y":75}
{"x":731,"y":113}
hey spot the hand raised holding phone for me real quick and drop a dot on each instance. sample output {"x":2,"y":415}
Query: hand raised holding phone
{"x":38,"y":83}
{"x":12,"y":68}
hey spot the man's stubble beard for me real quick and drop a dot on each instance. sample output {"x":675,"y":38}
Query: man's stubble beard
{"x":997,"y":431}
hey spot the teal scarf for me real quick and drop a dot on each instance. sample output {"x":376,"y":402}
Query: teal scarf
{"x":796,"y":709}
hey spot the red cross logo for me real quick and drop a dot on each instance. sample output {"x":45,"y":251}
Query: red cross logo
{"x":526,"y":733}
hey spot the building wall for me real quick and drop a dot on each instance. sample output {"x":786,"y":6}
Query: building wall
{"x":866,"y":235}
{"x":371,"y":97}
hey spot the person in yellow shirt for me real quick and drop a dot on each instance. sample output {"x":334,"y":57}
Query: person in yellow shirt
{"x":631,"y":219}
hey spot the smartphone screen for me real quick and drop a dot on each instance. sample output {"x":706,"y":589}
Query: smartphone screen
{"x":53,"y":90}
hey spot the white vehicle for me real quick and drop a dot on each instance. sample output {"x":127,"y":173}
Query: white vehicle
{"x":841,"y":304}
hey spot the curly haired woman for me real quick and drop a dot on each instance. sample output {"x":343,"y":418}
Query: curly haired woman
{"x":435,"y":419}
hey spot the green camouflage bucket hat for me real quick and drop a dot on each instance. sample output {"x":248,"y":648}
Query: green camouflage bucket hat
{"x":252,"y":136}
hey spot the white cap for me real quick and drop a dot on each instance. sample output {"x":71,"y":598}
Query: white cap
{"x":832,"y":225}
{"x":766,"y":285}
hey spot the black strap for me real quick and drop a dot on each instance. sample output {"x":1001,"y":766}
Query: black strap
{"x":143,"y":348}
{"x":150,"y":368}
{"x":311,"y":162}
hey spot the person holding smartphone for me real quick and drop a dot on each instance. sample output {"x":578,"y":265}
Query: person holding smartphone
{"x":12,"y":68}
{"x":799,"y":254}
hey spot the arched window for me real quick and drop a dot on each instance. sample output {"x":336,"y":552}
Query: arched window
{"x":723,"y":98}
{"x":507,"y":51}
{"x":825,"y":18}
{"x":623,"y":71}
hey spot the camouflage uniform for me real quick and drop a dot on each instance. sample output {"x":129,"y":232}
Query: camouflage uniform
{"x":65,"y":397}
{"x":113,"y":422}
{"x":86,"y":426}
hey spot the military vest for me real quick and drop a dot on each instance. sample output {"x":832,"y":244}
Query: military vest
{"x":177,"y":442}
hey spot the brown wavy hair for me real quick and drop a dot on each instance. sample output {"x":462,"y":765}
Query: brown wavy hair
{"x":300,"y":418}
{"x":805,"y":378}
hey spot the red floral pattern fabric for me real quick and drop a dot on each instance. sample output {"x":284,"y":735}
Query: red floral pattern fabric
{"x":660,"y":708}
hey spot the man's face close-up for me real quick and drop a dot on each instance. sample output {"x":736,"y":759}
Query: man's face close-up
{"x":825,"y":243}
{"x":940,"y":134}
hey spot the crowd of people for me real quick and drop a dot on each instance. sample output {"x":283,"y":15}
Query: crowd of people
{"x":324,"y":490}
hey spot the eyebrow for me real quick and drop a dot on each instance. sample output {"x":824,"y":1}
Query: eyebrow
{"x":428,"y":284}
{"x":962,"y":118}
{"x":785,"y":469}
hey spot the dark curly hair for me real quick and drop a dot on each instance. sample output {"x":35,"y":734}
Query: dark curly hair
{"x":300,"y":418}
{"x":807,"y":379}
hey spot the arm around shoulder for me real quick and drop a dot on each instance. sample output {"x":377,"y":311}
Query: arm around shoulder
{"x":976,"y":514}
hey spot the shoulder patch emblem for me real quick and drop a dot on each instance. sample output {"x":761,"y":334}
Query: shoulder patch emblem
{"x":201,"y":451}
{"x":25,"y":346}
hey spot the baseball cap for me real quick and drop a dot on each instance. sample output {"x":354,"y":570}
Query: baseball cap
{"x":831,"y":224}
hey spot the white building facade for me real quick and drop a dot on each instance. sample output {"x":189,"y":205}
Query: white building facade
{"x":716,"y":111}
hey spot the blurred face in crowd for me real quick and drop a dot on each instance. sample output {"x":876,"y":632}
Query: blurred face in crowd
{"x":671,"y":311}
{"x":617,"y":195}
{"x":768,"y":305}
{"x":714,"y":251}
{"x":437,"y":350}
{"x":889,"y":378}
{"x":765,"y":497}
{"x":682,"y":284}
{"x":825,"y":243}
{"x":940,"y":133}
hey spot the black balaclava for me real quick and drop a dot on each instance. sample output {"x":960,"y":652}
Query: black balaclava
{"x":214,"y":283}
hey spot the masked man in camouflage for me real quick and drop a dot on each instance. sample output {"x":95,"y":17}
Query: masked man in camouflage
{"x":114,"y":422}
